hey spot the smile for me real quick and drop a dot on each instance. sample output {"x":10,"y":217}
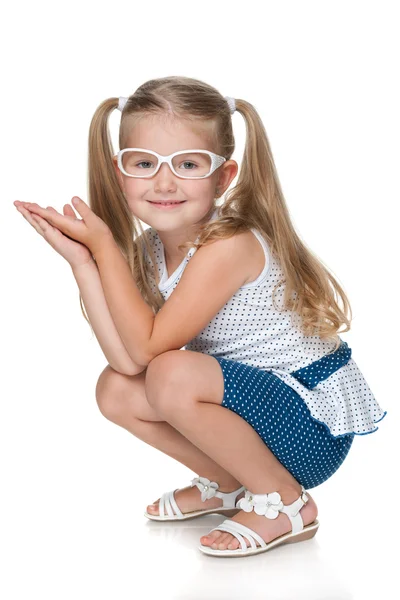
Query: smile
{"x":166,"y":205}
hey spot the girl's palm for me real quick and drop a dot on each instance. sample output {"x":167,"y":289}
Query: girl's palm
{"x":73,"y":251}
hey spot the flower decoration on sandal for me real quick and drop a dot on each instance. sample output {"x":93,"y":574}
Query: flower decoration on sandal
{"x":267,"y":505}
{"x":207,"y":487}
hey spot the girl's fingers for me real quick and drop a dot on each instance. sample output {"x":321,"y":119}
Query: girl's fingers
{"x":60,"y":221}
{"x":28,"y":217}
{"x":68,"y":210}
{"x":46,"y":229}
{"x":44,"y":225}
{"x":50,"y":217}
{"x":67,"y":213}
{"x":41,"y":225}
{"x":33,"y":207}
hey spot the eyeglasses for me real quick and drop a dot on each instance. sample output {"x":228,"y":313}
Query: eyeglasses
{"x":139,"y":162}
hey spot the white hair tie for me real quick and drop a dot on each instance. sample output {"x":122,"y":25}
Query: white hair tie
{"x":231,"y":103}
{"x":121,"y":102}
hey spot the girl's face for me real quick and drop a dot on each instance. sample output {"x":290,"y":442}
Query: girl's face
{"x":165,"y":136}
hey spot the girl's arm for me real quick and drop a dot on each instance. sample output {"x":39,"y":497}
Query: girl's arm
{"x":212,"y":277}
{"x":87,"y":277}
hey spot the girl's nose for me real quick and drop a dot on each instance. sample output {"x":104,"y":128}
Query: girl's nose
{"x":165,"y":168}
{"x":165,"y":178}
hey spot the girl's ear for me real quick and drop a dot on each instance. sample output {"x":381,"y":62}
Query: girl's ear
{"x":228,"y":172}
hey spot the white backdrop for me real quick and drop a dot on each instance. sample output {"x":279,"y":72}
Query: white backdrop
{"x":324,"y":78}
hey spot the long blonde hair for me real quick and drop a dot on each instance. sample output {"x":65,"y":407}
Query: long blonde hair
{"x":255,"y":201}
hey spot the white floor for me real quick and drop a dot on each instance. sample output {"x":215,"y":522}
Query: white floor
{"x":73,"y":496}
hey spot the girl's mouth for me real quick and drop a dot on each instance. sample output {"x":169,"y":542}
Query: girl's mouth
{"x":166,"y":205}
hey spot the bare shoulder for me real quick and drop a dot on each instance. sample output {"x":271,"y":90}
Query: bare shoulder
{"x":244,"y":249}
{"x":253,"y":252}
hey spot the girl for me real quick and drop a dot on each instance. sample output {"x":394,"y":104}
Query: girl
{"x":265,"y":399}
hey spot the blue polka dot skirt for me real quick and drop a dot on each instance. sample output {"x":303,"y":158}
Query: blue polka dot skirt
{"x":303,"y":445}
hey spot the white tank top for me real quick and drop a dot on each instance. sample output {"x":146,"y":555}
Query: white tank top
{"x":249,"y":329}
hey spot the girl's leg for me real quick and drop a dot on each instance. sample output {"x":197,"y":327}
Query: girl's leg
{"x":122,"y":400}
{"x":187,"y":389}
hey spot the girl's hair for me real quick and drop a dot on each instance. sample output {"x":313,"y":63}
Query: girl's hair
{"x":255,"y":201}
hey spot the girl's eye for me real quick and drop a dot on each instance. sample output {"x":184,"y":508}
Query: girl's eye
{"x":188,"y":162}
{"x":144,"y":162}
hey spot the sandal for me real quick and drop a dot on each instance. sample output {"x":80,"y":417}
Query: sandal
{"x":208,"y":490}
{"x":268,"y":505}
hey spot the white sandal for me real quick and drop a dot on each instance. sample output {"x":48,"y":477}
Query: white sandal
{"x":208,"y":490}
{"x":269,"y":505}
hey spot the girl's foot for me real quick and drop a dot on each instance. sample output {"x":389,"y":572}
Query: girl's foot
{"x":189,"y":500}
{"x":268,"y":529}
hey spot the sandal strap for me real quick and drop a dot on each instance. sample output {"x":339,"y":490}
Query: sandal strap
{"x":168,"y":501}
{"x":270,"y":505}
{"x":236,"y":529}
{"x":209,"y":489}
{"x":293,"y":511}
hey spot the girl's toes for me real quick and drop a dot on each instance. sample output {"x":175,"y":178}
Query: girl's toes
{"x":223,"y":541}
{"x":233,"y":544}
{"x":153,"y":509}
{"x":207,"y":540}
{"x":214,"y":543}
{"x":217,"y":540}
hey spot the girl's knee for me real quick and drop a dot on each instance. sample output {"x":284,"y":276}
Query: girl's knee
{"x":111,"y":390}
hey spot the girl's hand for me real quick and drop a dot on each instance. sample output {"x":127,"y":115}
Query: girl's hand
{"x":90,"y":230}
{"x":75,"y":253}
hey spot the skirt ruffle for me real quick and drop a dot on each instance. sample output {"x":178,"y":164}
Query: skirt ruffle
{"x":341,"y":398}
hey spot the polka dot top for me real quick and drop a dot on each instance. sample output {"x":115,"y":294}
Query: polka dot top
{"x":249,"y":329}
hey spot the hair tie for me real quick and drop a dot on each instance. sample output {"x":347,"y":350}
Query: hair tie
{"x":121,"y":102}
{"x":232,"y":104}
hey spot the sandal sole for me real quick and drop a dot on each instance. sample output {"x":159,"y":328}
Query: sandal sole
{"x":307,"y":533}
{"x":228,"y":512}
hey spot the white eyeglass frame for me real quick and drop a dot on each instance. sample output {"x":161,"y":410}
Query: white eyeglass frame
{"x":216,"y":161}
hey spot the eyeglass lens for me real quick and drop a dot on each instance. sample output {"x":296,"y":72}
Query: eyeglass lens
{"x":144,"y":164}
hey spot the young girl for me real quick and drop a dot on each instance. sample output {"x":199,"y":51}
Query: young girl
{"x":265,"y":400}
